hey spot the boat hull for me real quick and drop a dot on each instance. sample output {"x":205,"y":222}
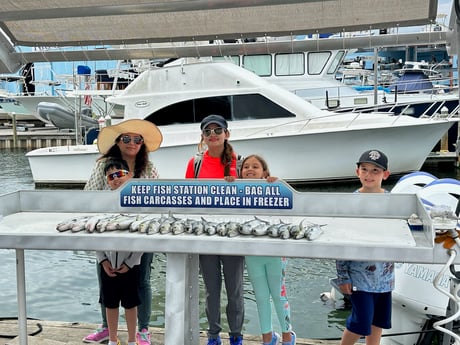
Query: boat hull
{"x":301,"y":156}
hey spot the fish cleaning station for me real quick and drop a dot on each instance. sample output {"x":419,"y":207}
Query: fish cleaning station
{"x":352,"y":226}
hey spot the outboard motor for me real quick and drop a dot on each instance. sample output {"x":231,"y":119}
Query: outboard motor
{"x":416,"y":302}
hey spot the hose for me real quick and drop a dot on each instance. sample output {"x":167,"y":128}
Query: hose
{"x":12,"y":336}
{"x":438,"y":324}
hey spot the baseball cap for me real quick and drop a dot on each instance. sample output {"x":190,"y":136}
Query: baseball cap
{"x":217,"y":119}
{"x":375,"y":157}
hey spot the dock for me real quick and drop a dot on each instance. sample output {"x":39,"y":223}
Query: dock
{"x":30,"y":138}
{"x":72,"y":333}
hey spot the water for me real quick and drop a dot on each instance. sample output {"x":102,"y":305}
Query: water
{"x":62,"y":286}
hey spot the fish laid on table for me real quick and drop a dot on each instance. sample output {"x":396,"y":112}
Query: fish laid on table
{"x":210,"y":228}
{"x":284,"y":231}
{"x":65,"y":225}
{"x":222,"y":229}
{"x":246,"y":227}
{"x":233,"y":229}
{"x":154,"y":226}
{"x":260,"y":229}
{"x":69,"y":223}
{"x":141,"y":225}
{"x":80,"y":224}
{"x":182,"y":225}
{"x":91,"y":224}
{"x":314,"y":232}
{"x":166,"y":224}
{"x":134,"y":226}
{"x":121,"y":222}
{"x":198,"y":227}
{"x":273,"y":230}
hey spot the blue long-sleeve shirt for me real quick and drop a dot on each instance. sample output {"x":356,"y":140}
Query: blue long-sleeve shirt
{"x":369,"y":276}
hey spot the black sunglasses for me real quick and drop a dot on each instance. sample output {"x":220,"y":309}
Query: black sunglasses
{"x":216,"y":131}
{"x":126,"y":139}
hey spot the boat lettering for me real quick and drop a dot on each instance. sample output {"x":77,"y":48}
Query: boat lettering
{"x":426,"y":274}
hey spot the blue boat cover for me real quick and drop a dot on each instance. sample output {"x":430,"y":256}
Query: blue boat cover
{"x":413,"y":82}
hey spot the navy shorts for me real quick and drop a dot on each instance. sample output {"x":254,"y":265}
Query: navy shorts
{"x":120,"y":289}
{"x":369,"y":308}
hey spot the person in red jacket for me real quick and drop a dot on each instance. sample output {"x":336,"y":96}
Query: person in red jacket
{"x":217,"y":161}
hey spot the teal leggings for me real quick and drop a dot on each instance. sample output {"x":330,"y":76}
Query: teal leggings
{"x":267,"y":275}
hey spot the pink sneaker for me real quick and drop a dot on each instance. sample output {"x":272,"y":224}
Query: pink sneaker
{"x":101,"y":334}
{"x":143,"y":337}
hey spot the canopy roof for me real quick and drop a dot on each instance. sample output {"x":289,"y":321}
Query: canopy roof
{"x":59,"y":23}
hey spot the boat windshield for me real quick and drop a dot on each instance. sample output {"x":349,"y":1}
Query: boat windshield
{"x":232,"y":107}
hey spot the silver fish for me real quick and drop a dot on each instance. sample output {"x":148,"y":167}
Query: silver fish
{"x":134,"y":226}
{"x":198,"y":227}
{"x":233,"y":229}
{"x":79,"y":225}
{"x":101,"y":225}
{"x":260,"y":229}
{"x":284,"y":231}
{"x":314,"y":232}
{"x":178,"y":227}
{"x":166,"y":225}
{"x":154,"y":226}
{"x":144,"y":224}
{"x":295,"y":230}
{"x":222,"y":229}
{"x":246,"y":227}
{"x":92,"y":221}
{"x":273,"y":230}
{"x":121,"y":222}
{"x":209,"y":227}
{"x":65,"y":225}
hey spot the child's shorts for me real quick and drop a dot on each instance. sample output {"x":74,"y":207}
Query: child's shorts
{"x":369,"y":308}
{"x":120,"y":289}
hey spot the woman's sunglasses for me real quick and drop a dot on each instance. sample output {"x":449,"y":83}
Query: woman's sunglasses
{"x":126,"y":139}
{"x":216,"y":131}
{"x":117,"y":174}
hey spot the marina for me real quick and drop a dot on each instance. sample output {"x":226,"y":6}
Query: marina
{"x":35,"y":240}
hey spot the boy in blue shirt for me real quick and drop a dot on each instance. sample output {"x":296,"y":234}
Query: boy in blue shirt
{"x":368,"y":283}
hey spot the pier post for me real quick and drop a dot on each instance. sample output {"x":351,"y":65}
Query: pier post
{"x":15,"y":130}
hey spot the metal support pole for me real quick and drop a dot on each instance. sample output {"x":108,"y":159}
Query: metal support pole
{"x":21,"y":287}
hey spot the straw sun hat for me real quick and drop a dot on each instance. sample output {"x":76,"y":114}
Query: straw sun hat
{"x":151,"y":134}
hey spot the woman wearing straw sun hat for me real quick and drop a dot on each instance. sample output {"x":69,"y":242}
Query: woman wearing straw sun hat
{"x":131,"y":140}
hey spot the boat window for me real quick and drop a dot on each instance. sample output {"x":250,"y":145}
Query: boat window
{"x":338,"y":58}
{"x":236,"y":107}
{"x":259,"y":64}
{"x":317,"y":61}
{"x":234,"y":58}
{"x":289,"y":64}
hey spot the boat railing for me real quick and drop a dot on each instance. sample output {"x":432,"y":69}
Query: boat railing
{"x":342,"y":97}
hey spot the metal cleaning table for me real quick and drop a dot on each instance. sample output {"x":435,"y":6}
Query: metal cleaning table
{"x":357,"y":227}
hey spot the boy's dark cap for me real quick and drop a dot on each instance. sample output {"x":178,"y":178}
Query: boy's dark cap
{"x":375,"y":157}
{"x":217,"y":119}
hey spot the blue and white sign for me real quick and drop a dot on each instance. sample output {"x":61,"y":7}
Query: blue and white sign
{"x":206,"y":193}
